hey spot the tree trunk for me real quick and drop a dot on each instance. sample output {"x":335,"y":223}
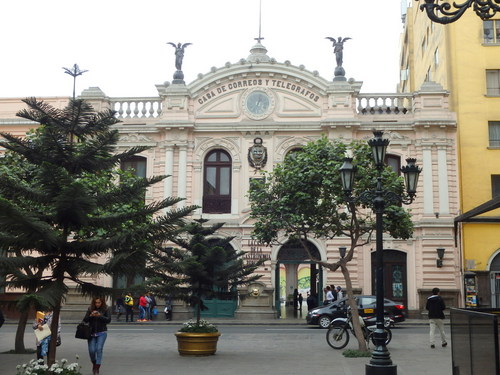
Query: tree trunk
{"x":54,"y":328}
{"x":19,"y":347}
{"x":354,"y":310}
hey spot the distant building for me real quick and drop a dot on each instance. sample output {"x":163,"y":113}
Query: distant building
{"x":463,"y":57}
{"x":215,"y":134}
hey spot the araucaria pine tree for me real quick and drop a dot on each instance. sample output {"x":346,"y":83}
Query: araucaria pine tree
{"x":205,"y":266}
{"x":64,"y":212}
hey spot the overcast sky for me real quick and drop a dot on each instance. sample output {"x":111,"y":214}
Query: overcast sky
{"x":123,"y":43}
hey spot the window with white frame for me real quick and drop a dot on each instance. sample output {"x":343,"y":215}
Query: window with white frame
{"x":493,"y":82}
{"x":217,"y":183}
{"x":494,"y":133}
{"x":491,"y":31}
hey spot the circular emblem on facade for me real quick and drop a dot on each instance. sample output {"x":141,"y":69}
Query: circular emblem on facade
{"x":258,"y":103}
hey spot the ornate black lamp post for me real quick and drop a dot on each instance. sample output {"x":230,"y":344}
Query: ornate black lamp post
{"x":380,"y":362}
{"x":446,"y":12}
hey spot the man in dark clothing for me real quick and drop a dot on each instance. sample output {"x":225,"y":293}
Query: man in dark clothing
{"x":311,"y":301}
{"x":435,"y":306}
{"x":2,"y":319}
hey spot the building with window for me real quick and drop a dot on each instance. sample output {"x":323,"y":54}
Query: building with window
{"x":464,"y":58}
{"x":214,"y":135}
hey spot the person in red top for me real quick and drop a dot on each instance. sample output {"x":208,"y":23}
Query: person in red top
{"x":143,"y":304}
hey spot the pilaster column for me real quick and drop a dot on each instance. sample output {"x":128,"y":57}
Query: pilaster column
{"x":444,"y":199}
{"x":181,"y":181}
{"x":427,"y":172}
{"x":169,"y":171}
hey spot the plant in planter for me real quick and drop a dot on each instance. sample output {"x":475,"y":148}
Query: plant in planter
{"x":205,"y":266}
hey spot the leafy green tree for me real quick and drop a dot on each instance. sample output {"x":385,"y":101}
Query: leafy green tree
{"x":303,"y":198}
{"x":205,"y":266}
{"x":58,"y":217}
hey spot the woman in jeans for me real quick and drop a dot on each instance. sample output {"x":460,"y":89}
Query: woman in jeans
{"x":98,"y":316}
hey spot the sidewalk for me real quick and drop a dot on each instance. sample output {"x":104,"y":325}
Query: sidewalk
{"x":281,"y":348}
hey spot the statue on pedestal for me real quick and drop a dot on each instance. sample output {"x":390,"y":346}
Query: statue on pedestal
{"x":179,"y":56}
{"x":338,"y":50}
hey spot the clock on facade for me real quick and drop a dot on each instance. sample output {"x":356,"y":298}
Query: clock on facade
{"x":258,"y":104}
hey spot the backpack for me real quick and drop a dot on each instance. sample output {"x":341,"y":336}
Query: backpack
{"x":129,"y":301}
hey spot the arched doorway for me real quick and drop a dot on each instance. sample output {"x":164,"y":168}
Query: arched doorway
{"x":495,"y":281}
{"x":290,"y":257}
{"x":395,"y":280}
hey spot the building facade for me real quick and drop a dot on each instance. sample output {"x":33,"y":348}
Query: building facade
{"x":214,"y":135}
{"x":463,"y":57}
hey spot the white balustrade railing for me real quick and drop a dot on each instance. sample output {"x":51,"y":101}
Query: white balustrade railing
{"x":384,"y":104}
{"x":136,"y":107}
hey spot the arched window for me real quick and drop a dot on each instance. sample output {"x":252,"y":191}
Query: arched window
{"x":217,"y":183}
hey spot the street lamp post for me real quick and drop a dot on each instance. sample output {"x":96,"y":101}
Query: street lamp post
{"x":447,"y":12}
{"x":380,"y":362}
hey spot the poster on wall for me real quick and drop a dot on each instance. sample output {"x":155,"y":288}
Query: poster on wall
{"x":470,"y":292}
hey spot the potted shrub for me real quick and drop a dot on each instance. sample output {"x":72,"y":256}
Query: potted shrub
{"x":204,"y":266}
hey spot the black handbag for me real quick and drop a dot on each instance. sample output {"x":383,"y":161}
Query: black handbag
{"x":82,"y":331}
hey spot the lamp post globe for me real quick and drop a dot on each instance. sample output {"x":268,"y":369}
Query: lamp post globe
{"x":379,"y":146}
{"x":347,"y":173}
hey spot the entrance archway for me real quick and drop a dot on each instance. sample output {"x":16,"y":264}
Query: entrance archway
{"x":289,"y":258}
{"x":495,"y":281}
{"x":395,"y":280}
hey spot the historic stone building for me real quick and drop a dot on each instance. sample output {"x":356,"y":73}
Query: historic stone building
{"x":217,"y":133}
{"x":463,"y":57}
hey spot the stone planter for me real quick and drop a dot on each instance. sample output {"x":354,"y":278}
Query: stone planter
{"x":189,"y":343}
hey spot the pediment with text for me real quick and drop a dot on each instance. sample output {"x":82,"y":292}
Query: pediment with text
{"x":283,"y":99}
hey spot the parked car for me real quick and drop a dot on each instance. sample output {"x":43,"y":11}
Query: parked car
{"x":323,"y":315}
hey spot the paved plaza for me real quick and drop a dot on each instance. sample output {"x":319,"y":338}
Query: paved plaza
{"x":274,"y":348}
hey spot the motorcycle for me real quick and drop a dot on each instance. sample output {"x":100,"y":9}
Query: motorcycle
{"x":337,"y":335}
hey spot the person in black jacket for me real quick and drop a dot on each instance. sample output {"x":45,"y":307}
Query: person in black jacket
{"x":2,"y":319}
{"x":435,"y":305}
{"x":98,"y":316}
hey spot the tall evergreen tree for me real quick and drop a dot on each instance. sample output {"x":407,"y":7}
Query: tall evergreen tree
{"x":204,"y":266}
{"x":60,"y":214}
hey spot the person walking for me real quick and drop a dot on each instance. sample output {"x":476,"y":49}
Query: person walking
{"x":129,"y":307}
{"x":311,"y":301}
{"x":2,"y":319}
{"x":152,"y":305}
{"x":340,"y":292}
{"x":168,"y":307}
{"x":329,"y":295}
{"x":334,"y":292}
{"x":143,"y":308}
{"x":435,"y":305}
{"x":119,"y":307}
{"x":98,"y":316}
{"x":42,"y":346}
{"x":300,"y":301}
